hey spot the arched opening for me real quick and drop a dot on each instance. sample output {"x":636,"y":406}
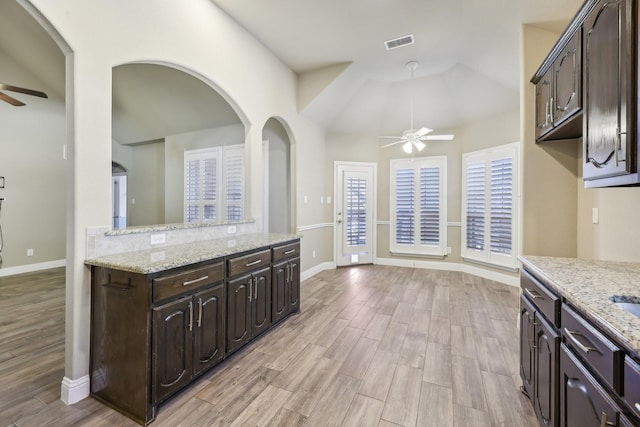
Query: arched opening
{"x":278,"y":183}
{"x":182,"y":144}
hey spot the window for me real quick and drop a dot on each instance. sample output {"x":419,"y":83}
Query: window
{"x":418,"y":206}
{"x":214,"y":184}
{"x":490,"y":196}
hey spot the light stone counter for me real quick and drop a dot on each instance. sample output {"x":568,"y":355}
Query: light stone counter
{"x":587,"y":285}
{"x":168,"y":257}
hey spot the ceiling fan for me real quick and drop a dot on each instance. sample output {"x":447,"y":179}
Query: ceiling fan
{"x":415,"y":137}
{"x":11,"y":100}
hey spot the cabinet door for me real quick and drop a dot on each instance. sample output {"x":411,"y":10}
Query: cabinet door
{"x":526,"y":345}
{"x":583,"y":402}
{"x":545,"y":388}
{"x":172,"y":343}
{"x":279,"y":299}
{"x":208,"y":340}
{"x":567,"y":77}
{"x":261,"y":302}
{"x":238,"y":312}
{"x":544,"y":89}
{"x":608,"y":97}
{"x":293,"y":290}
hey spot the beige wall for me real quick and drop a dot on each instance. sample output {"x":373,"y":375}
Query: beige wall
{"x":490,"y":131}
{"x":550,"y":184}
{"x":33,"y":214}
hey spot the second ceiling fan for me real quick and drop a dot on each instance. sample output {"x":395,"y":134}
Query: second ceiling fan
{"x":415,"y":138}
{"x":16,"y":103}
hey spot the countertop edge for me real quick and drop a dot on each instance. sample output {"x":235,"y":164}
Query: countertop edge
{"x":165,"y":258}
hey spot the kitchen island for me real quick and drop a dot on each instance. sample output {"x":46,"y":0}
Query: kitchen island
{"x":580,"y":350}
{"x":160,"y":318}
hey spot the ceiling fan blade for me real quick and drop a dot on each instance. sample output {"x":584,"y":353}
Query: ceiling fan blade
{"x":394,"y":143}
{"x":23,"y":90}
{"x":10,"y":100}
{"x":390,"y":137}
{"x":437,"y":137}
{"x":422,"y":131}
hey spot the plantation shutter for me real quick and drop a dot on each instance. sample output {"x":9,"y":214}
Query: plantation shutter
{"x":234,"y":176}
{"x":418,"y":206}
{"x":430,"y":206}
{"x":356,"y":212}
{"x":209,"y":188}
{"x":490,"y":205}
{"x":475,"y":212}
{"x":502,"y":205}
{"x":405,"y":206}
{"x":192,"y":190}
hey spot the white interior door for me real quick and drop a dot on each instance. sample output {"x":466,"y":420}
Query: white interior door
{"x":354,"y":195}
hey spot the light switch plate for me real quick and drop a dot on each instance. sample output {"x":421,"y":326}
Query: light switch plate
{"x":595,"y":216}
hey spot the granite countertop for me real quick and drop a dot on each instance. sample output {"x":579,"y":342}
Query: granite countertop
{"x":588,"y":284}
{"x":168,"y":257}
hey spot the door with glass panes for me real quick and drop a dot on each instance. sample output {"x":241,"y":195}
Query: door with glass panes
{"x":354,"y":215}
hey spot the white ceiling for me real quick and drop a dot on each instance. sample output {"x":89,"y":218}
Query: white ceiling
{"x":468,"y":52}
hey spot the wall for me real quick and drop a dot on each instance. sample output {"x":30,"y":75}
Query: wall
{"x":490,"y":131}
{"x":103,"y":34}
{"x":550,"y":170}
{"x":33,"y":214}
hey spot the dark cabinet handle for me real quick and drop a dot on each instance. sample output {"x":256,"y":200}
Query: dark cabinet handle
{"x":256,"y":262}
{"x":289,"y":252}
{"x":190,"y":316}
{"x":637,"y":406}
{"x":199,"y":312}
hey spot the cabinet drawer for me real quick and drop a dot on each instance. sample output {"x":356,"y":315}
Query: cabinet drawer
{"x":168,"y":286}
{"x":250,"y":262}
{"x":632,"y":384}
{"x":546,"y":301}
{"x":286,"y":251}
{"x":602,"y":355}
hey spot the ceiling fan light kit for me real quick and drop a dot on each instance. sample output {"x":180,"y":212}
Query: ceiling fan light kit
{"x":412,"y":138}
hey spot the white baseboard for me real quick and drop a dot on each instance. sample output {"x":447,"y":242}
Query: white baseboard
{"x":72,"y":391}
{"x":316,"y":269}
{"x":496,"y":276}
{"x":29,"y":268}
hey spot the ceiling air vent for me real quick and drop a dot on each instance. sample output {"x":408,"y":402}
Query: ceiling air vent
{"x":399,"y":42}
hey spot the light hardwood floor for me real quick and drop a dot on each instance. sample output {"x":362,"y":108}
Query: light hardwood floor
{"x":372,"y":346}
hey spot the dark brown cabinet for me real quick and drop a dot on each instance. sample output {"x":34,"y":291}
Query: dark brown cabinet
{"x":153,"y":334}
{"x":286,"y":280}
{"x":574,"y":375}
{"x":583,"y":402}
{"x":609,"y":93}
{"x":249,"y":298}
{"x":559,"y":94}
{"x":545,"y":389}
{"x":539,"y":347}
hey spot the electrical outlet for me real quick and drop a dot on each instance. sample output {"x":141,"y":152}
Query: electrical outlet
{"x":231,"y":229}
{"x":313,"y":254}
{"x":29,"y":252}
{"x":156,"y":239}
{"x":328,"y":200}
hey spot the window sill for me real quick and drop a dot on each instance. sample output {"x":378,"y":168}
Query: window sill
{"x":417,"y":255}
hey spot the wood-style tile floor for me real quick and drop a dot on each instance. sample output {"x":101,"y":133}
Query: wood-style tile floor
{"x":372,"y":346}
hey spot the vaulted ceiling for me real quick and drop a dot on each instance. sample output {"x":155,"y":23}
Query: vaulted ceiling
{"x":468,"y":52}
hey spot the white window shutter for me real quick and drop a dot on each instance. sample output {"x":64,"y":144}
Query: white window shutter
{"x":490,"y":200}
{"x":234,"y":182}
{"x":418,"y":206}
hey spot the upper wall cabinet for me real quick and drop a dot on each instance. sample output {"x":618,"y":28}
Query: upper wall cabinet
{"x":591,"y":74}
{"x":609,"y":155}
{"x":559,"y":93}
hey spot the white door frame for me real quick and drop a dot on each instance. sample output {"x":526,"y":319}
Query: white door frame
{"x":336,"y":183}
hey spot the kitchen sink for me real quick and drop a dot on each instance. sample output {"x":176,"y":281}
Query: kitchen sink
{"x":627,"y":302}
